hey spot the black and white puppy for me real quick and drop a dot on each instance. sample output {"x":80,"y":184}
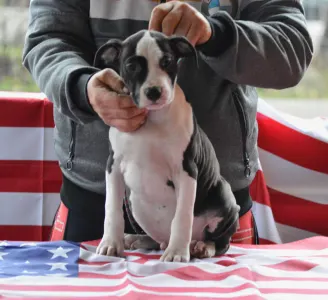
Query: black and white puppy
{"x":177,"y":194}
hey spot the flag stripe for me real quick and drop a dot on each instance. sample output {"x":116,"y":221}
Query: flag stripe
{"x":137,"y":295}
{"x":27,"y":143}
{"x":314,"y":127}
{"x":265,"y":222}
{"x":34,"y":208}
{"x":307,"y":216}
{"x":30,"y":176}
{"x":25,"y":233}
{"x":27,"y":110}
{"x":282,"y":141}
{"x":290,"y":233}
{"x":292,"y":179}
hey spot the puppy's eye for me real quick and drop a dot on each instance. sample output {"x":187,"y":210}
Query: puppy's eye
{"x":166,"y":61}
{"x":132,"y":67}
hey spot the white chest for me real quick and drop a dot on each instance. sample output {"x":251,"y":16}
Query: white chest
{"x":150,"y":160}
{"x":150,"y":156}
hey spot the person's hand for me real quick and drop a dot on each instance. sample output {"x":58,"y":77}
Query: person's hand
{"x":179,"y":18}
{"x":108,"y":97}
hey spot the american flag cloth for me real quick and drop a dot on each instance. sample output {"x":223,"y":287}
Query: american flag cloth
{"x":290,"y":192}
{"x":63,"y":270}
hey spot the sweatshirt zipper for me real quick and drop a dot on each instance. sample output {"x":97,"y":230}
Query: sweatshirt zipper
{"x":71,"y":149}
{"x":244,"y":132}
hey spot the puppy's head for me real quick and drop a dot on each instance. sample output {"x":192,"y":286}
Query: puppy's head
{"x":148,"y":63}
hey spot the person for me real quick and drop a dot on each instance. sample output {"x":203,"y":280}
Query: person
{"x":242,"y":45}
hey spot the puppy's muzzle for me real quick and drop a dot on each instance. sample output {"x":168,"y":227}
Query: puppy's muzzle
{"x":153,"y":93}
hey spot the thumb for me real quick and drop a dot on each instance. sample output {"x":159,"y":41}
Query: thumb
{"x":113,"y":80}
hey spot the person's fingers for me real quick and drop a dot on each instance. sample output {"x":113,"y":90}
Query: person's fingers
{"x":183,"y":27}
{"x":128,"y":125}
{"x":158,"y":14}
{"x":108,"y":101}
{"x":171,"y":21}
{"x":193,"y":34}
{"x":113,"y":80}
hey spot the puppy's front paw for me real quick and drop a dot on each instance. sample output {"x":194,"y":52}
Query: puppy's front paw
{"x":176,"y":254}
{"x":111,"y":247}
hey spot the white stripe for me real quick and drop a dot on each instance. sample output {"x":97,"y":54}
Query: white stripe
{"x":130,"y":288}
{"x":294,"y":180}
{"x":265,"y":223}
{"x":316,"y":128}
{"x":28,"y":208}
{"x":22,"y":95}
{"x":27,"y":143}
{"x":139,"y":10}
{"x":290,"y":234}
{"x":277,"y":252}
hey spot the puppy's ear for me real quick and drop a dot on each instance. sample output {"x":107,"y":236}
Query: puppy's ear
{"x":108,"y":55}
{"x":183,"y":48}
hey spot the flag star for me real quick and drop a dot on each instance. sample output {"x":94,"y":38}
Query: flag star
{"x":28,"y":244}
{"x":27,"y":262}
{"x":55,"y":266}
{"x":60,"y":252}
{"x":4,"y":243}
{"x":2,"y":254}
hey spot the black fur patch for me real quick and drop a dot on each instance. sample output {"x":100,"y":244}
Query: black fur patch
{"x":213,"y":193}
{"x":170,"y":183}
{"x":110,"y":161}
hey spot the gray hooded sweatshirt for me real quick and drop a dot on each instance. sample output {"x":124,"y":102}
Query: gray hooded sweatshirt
{"x":255,"y":43}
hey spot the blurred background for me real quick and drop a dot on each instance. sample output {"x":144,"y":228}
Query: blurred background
{"x":308,"y":99}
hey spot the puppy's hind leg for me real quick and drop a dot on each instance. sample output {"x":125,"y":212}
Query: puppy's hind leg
{"x":200,"y":249}
{"x":139,"y":241}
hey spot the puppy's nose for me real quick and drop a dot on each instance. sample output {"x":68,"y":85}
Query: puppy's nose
{"x":153,"y":93}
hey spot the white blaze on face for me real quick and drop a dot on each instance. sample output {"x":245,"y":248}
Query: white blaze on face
{"x":156,"y":77}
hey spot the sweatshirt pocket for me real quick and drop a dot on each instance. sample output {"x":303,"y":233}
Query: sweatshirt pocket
{"x":71,"y":148}
{"x":244,"y":127}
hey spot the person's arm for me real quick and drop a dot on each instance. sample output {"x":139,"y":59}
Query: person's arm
{"x":268,"y":47}
{"x":59,"y":51}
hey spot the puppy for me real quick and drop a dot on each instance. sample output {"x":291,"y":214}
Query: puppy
{"x":176,"y":192}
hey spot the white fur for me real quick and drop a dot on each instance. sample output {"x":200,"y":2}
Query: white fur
{"x":148,"y":48}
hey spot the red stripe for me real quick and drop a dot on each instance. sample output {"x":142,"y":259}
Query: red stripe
{"x":258,"y":189}
{"x":266,"y":242}
{"x":24,"y":233}
{"x":30,"y":176}
{"x":25,"y":112}
{"x":292,"y":145}
{"x":299,"y":213}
